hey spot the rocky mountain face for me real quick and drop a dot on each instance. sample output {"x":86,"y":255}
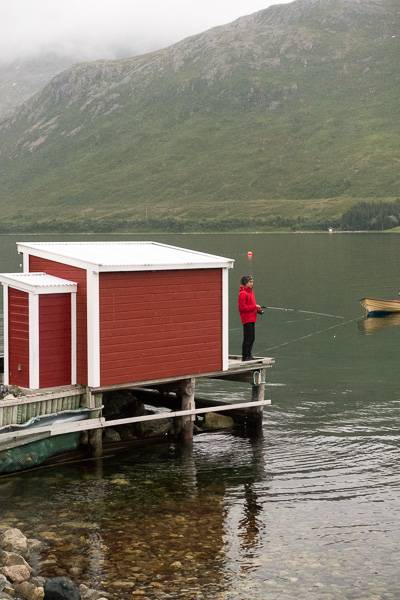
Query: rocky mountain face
{"x":21,"y":79}
{"x":298,"y":101}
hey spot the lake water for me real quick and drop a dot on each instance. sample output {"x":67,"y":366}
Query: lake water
{"x":309,"y":511}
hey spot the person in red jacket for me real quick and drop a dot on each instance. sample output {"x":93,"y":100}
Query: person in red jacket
{"x":248,"y":310}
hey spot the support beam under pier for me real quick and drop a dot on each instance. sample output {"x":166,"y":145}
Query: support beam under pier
{"x":95,"y":436}
{"x":255,"y":413}
{"x":184,"y":424}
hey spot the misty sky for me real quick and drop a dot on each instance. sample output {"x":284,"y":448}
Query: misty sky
{"x":108,"y":28}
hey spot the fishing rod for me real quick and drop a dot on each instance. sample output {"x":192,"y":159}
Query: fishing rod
{"x":295,"y":310}
{"x":307,"y":312}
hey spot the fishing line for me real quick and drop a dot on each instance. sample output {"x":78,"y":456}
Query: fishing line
{"x":296,"y":310}
{"x":307,"y":312}
{"x":308,"y":335}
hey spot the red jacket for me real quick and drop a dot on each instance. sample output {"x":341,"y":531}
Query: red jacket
{"x":247,"y":305}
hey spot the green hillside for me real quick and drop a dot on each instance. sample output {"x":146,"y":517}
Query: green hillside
{"x":287,"y":116}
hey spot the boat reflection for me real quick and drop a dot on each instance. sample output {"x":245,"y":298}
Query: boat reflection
{"x":371,"y":325}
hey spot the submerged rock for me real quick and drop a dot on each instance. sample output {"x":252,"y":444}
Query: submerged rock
{"x":34,"y":544}
{"x":17,"y":573}
{"x":91,"y":594}
{"x":214,"y":420}
{"x":112,"y":435}
{"x":13,"y":540}
{"x":17,"y":582}
{"x":30,"y":591}
{"x":156,"y":428}
{"x":3,"y":582}
{"x":61,"y":588}
{"x":10,"y":559}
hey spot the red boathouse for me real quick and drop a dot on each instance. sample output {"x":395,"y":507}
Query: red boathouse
{"x":113,"y":313}
{"x":39,"y":330}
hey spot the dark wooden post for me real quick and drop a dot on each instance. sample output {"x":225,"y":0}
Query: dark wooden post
{"x":255,"y":415}
{"x":95,"y":436}
{"x":185,"y":424}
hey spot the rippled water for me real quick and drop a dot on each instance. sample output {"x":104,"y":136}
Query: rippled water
{"x":309,"y":510}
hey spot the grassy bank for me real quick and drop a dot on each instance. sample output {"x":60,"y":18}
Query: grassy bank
{"x":224,"y":216}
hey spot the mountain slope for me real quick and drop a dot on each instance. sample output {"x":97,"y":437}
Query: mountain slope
{"x":299,"y":101}
{"x":21,"y":79}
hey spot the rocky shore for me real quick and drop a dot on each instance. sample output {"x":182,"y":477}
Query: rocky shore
{"x":18,"y":580}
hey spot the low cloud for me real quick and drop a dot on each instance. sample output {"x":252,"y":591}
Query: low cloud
{"x":92,"y":29}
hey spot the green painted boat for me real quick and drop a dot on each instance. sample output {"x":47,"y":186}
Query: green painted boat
{"x":36,"y":446}
{"x":35,"y":453}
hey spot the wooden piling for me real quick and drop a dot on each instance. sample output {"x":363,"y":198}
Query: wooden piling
{"x":184,"y":425}
{"x":95,"y":436}
{"x":255,"y":414}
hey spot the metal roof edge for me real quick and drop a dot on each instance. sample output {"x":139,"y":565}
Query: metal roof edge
{"x":60,"y":258}
{"x":15,"y":280}
{"x":222,"y":258}
{"x":30,"y":248}
{"x":165,"y":267}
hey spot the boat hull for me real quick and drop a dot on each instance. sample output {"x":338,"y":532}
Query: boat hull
{"x":35,"y":453}
{"x":375,"y":307}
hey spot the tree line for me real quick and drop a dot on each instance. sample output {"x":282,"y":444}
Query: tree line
{"x":371,"y":216}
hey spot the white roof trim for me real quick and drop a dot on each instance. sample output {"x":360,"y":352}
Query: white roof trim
{"x":157,"y":267}
{"x":38,"y":283}
{"x":103,"y":257}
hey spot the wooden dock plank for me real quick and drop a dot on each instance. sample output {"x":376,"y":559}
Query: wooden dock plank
{"x":101,"y":423}
{"x":52,"y":400}
{"x":236,"y":366}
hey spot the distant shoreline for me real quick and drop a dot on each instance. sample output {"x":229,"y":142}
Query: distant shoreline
{"x":157,"y":232}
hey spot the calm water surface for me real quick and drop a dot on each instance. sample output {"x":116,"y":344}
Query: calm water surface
{"x":311,"y":509}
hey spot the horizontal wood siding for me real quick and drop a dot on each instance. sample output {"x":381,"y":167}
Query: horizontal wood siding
{"x":55,"y":340}
{"x":57,"y":269}
{"x":18,"y":340}
{"x":157,"y":324}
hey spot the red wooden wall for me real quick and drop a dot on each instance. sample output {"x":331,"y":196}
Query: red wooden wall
{"x":18,"y":337}
{"x":57,"y":269}
{"x":157,"y":324}
{"x":55,"y":340}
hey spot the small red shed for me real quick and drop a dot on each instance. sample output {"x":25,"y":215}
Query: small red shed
{"x":39,"y":330}
{"x":144,"y":311}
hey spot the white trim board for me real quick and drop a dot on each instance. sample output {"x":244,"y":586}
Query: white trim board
{"x":73,"y":340}
{"x":225,"y":319}
{"x":5,"y":336}
{"x":93,"y":328}
{"x":25,"y":262}
{"x":34,"y":342}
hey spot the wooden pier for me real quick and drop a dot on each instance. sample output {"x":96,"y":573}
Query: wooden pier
{"x":77,"y":333}
{"x":17,"y":412}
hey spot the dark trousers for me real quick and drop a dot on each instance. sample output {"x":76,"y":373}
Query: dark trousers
{"x":249,"y":335}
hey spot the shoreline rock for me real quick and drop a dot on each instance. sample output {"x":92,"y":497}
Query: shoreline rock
{"x":18,"y":579}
